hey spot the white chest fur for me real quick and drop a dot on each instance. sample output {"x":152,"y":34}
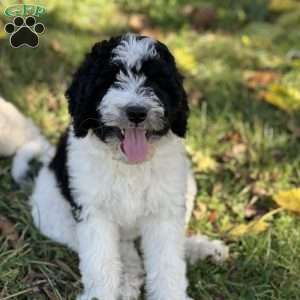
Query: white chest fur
{"x":126,"y":193}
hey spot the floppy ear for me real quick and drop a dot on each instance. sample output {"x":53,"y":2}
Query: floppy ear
{"x":90,"y":83}
{"x":179,"y":122}
{"x":180,"y":113}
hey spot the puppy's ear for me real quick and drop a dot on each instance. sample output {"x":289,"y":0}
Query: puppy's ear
{"x":179,"y":121}
{"x":90,"y":83}
{"x":180,"y":109}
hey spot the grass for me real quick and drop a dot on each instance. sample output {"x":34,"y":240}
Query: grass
{"x":243,"y":138}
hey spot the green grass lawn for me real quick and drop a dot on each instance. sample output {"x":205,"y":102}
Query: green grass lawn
{"x":242,"y":70}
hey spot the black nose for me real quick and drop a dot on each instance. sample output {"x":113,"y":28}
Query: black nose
{"x":136,"y":114}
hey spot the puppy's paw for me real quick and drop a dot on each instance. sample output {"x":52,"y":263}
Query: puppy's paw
{"x":200,"y":247}
{"x":130,"y":288}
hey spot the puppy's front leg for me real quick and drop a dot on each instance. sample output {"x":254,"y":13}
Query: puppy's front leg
{"x":163,"y":246}
{"x":99,"y":258}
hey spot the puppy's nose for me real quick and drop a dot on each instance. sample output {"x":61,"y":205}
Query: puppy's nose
{"x":136,"y":114}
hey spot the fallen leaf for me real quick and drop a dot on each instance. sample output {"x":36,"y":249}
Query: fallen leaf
{"x":195,"y":97}
{"x":260,"y":79}
{"x":8,"y":229}
{"x":199,"y":211}
{"x":232,"y":136}
{"x":259,"y":191}
{"x":289,"y":200}
{"x":217,"y":188}
{"x":56,"y":46}
{"x":284,"y":97}
{"x":200,"y":17}
{"x":254,"y":227}
{"x":186,"y":59}
{"x":204,"y":162}
{"x":213,"y":216}
{"x":138,"y":22}
{"x":236,"y":150}
{"x":250,"y":211}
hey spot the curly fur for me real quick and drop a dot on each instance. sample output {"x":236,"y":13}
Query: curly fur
{"x":20,"y":137}
{"x":91,"y":198}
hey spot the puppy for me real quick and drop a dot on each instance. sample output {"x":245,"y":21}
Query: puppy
{"x":120,"y":172}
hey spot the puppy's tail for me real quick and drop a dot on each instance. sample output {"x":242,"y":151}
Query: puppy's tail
{"x":38,"y":148}
{"x":21,"y":138}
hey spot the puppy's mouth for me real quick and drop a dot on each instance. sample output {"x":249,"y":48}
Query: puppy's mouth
{"x":135,"y":144}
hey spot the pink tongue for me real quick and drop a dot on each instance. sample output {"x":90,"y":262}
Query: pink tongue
{"x":135,"y":145}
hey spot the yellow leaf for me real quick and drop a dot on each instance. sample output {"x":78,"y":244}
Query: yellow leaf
{"x":185,"y":59}
{"x":284,"y":97}
{"x":204,"y":162}
{"x":246,"y":40}
{"x":254,"y":227}
{"x":289,"y":200}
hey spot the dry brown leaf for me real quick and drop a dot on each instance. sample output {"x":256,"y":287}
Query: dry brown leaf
{"x":200,"y":17}
{"x":8,"y":229}
{"x":232,"y":136}
{"x":195,"y":97}
{"x":56,"y":46}
{"x":199,"y":211}
{"x":259,"y":191}
{"x":236,"y":150}
{"x":239,"y":149}
{"x":259,"y":79}
{"x":250,"y":211}
{"x":138,"y":22}
{"x":213,"y":216}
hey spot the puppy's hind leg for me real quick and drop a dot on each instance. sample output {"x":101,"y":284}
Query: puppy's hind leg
{"x":51,"y":212}
{"x":199,"y":246}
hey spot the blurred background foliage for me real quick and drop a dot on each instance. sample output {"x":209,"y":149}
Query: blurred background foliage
{"x":241,"y":62}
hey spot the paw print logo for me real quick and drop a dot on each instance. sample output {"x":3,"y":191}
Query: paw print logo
{"x":24,"y":33}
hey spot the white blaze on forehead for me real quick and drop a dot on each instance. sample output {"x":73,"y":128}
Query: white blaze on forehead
{"x":130,"y":81}
{"x":128,"y":89}
{"x":132,"y":51}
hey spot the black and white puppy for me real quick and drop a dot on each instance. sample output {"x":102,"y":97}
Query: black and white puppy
{"x":120,"y":172}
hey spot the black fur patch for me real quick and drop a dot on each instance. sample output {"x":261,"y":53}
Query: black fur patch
{"x":167,"y":83}
{"x":90,"y":83}
{"x":59,"y":166}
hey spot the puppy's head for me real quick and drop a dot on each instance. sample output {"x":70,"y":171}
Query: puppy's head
{"x":129,"y":93}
